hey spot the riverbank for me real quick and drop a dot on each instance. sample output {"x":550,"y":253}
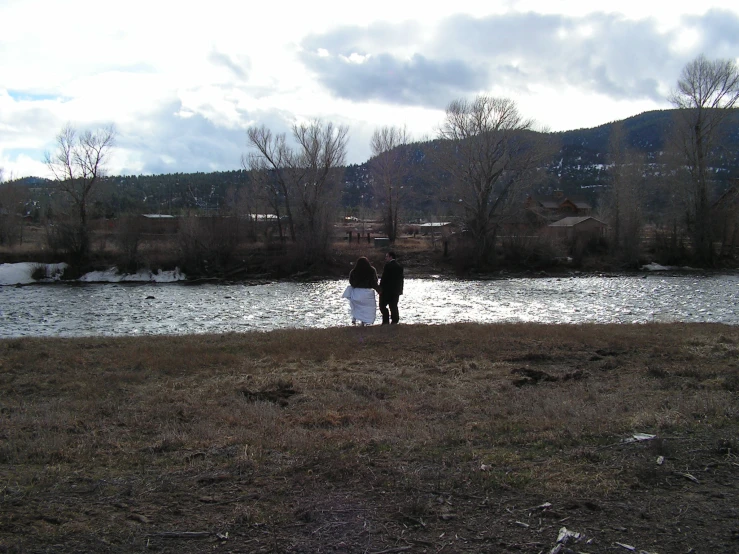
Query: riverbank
{"x":416,"y":266}
{"x":422,"y":255}
{"x":462,"y":438}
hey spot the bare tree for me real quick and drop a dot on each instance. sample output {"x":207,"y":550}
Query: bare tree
{"x":670,"y":190}
{"x":388,"y":167}
{"x":306,"y":176}
{"x":623,"y":202}
{"x":272,"y":153}
{"x":491,"y":154}
{"x":77,"y":165}
{"x":263,"y":185}
{"x":13,"y":201}
{"x":316,"y":170}
{"x":707,"y":91}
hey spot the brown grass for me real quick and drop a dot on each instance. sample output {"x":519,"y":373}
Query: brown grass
{"x":270,"y":425}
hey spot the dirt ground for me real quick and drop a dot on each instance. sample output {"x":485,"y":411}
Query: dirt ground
{"x":368,"y":505}
{"x":329,"y":477}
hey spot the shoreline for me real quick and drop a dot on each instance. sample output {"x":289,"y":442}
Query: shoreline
{"x":176,"y":277}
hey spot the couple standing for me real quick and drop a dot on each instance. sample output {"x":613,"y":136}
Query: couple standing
{"x":363,"y":284}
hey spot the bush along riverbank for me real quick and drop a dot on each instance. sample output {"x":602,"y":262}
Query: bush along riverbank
{"x":228,"y":257}
{"x":257,"y":267}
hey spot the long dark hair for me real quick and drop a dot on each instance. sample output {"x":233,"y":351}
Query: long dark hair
{"x":363,"y":267}
{"x":364,"y":273}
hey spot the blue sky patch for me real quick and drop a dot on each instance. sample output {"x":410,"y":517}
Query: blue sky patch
{"x":28,"y":96}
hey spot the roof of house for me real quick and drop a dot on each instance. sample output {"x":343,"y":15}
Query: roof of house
{"x":547,"y":203}
{"x":572,"y":221}
{"x":555,"y":202}
{"x":730,"y":196}
{"x":581,"y":204}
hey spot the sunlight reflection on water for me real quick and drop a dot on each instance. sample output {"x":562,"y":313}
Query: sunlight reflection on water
{"x":130,"y":309}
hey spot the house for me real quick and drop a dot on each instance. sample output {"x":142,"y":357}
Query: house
{"x":157,"y":224}
{"x":557,"y":205}
{"x":262,"y":217}
{"x":433,"y":227}
{"x":584,"y":227}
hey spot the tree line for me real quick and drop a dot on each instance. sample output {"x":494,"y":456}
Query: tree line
{"x":485,"y":158}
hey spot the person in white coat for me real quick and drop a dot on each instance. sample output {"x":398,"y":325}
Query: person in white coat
{"x":361,"y":292}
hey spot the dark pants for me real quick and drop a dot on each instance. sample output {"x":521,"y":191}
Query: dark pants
{"x":391,"y":301}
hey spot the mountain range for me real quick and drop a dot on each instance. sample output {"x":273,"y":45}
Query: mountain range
{"x":579,"y":167}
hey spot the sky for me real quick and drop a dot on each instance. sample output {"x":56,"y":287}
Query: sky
{"x":182,"y":82}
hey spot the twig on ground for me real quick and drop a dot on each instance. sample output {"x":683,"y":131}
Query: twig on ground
{"x":181,"y":534}
{"x":688,"y":476}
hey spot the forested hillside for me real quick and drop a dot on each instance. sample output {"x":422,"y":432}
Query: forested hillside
{"x":580,"y":167}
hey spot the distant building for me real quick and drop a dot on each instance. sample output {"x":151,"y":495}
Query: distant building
{"x":262,"y":217}
{"x":157,"y":216}
{"x":433,"y":227}
{"x":157,"y":224}
{"x":557,"y":206}
{"x":571,"y":228}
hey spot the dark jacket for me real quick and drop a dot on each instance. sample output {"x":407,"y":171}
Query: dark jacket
{"x":391,"y":282}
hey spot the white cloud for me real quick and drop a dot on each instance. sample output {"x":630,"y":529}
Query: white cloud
{"x":182,"y":83}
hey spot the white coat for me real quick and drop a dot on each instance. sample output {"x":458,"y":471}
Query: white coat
{"x":362,"y":304}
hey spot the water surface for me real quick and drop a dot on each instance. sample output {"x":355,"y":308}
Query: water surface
{"x":140,"y":309}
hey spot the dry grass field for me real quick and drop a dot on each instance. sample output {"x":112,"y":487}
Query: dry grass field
{"x":459,"y":438}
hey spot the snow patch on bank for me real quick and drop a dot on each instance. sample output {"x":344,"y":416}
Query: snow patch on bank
{"x":144,"y":276}
{"x":23,"y":274}
{"x":656,"y":267}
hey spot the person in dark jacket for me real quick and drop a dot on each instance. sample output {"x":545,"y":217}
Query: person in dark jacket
{"x":391,"y":287}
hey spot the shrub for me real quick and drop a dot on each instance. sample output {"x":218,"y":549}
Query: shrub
{"x":531,"y":251}
{"x":128,"y":240}
{"x":207,"y":243}
{"x":39,"y":272}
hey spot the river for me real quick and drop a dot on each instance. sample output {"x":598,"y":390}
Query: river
{"x":142,"y":309}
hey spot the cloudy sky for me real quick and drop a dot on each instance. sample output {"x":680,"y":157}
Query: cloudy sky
{"x":182,"y":81}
